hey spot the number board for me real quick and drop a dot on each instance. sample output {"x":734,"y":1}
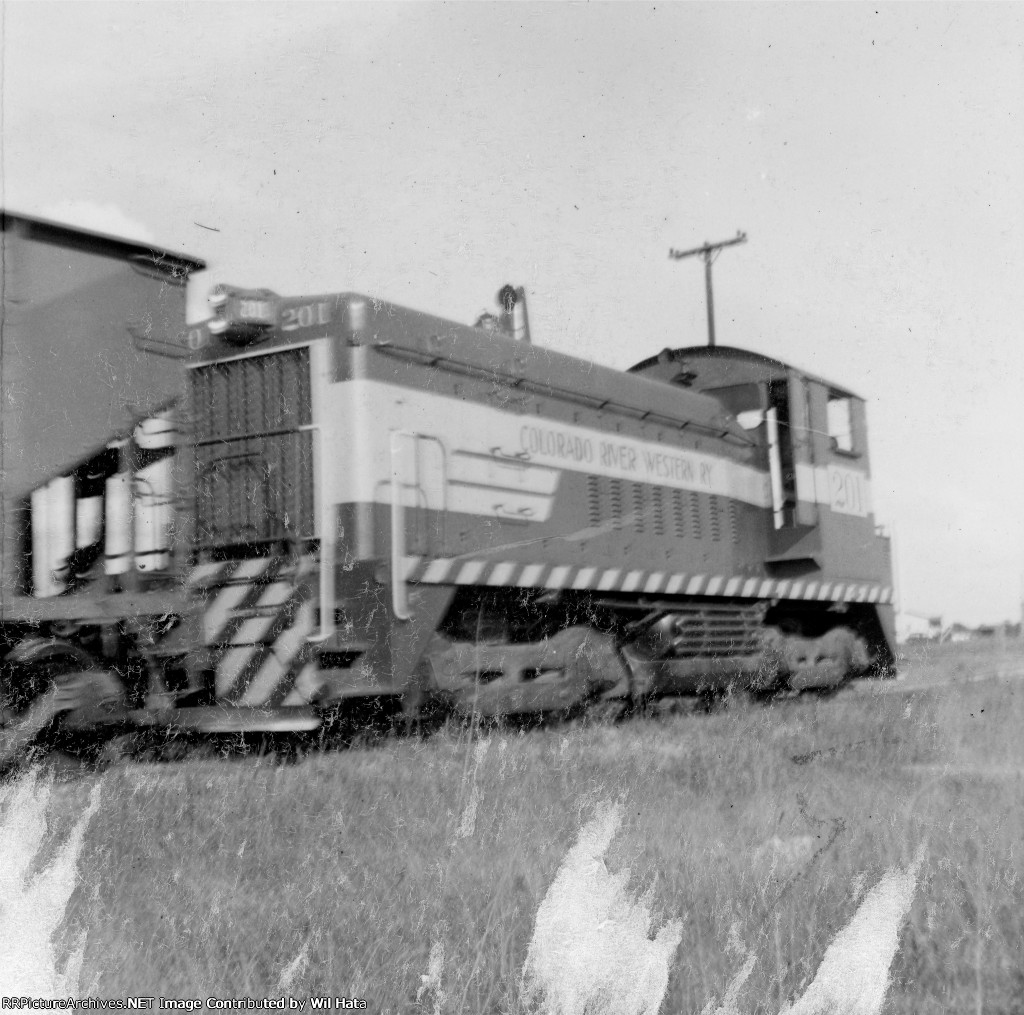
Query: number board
{"x":305,"y":315}
{"x":848,"y":491}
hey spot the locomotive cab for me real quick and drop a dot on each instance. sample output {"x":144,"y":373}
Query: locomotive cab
{"x":812,"y":441}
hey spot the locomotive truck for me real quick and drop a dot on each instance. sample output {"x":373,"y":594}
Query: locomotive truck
{"x":335,"y":503}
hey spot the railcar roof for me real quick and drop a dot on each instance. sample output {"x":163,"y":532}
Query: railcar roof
{"x":46,"y":231}
{"x":704,"y":368}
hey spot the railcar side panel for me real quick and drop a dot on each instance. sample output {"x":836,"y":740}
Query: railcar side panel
{"x":88,"y":423}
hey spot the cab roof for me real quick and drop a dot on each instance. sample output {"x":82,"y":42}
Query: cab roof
{"x":705,"y":368}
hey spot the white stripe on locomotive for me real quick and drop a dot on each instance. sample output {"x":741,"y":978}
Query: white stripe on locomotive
{"x":283,"y":653}
{"x":504,"y":573}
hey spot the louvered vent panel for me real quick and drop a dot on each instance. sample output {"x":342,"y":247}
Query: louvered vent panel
{"x":616,"y":502}
{"x":658,"y":498}
{"x":679,"y":513}
{"x":639,"y":507}
{"x":593,"y":500}
{"x":715,"y":507}
{"x":695,"y":520}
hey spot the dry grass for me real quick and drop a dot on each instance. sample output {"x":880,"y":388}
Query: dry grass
{"x":214,"y":878}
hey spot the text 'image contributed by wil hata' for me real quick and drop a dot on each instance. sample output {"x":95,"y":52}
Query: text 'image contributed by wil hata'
{"x":296,"y":1004}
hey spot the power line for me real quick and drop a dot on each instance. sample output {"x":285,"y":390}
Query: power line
{"x":708,"y":252}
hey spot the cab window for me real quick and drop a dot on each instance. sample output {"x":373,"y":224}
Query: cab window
{"x":840,"y":422}
{"x":744,"y":401}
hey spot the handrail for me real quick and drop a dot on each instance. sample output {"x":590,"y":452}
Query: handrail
{"x":399,"y":590}
{"x":548,"y":390}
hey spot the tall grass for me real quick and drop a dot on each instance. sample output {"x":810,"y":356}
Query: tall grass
{"x":412,"y":874}
{"x":590,"y":949}
{"x":33,"y":896}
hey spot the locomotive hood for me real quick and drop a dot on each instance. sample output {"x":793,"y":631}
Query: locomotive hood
{"x":527,"y":367}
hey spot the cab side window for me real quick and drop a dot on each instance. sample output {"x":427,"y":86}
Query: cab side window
{"x":840,"y":422}
{"x":744,"y":401}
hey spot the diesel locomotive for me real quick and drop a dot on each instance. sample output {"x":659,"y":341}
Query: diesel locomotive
{"x":334,"y":502}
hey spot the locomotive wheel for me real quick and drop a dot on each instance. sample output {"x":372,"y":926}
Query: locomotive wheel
{"x":824,"y":664}
{"x":52,"y":697}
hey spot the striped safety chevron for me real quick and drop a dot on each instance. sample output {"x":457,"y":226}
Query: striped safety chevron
{"x":462,"y":571}
{"x":259,"y":613}
{"x":257,"y":617}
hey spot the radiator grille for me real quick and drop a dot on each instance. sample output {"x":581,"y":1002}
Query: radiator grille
{"x":254,"y":453}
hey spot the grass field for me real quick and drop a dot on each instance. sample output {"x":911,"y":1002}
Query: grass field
{"x":359,"y":872}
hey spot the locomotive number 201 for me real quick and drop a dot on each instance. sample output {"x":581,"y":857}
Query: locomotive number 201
{"x":305,"y":316}
{"x":258,"y":310}
{"x":847,"y":492}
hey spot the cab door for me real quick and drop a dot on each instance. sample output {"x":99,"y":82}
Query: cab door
{"x":791,"y":453}
{"x":794,"y":545}
{"x":805,"y":471}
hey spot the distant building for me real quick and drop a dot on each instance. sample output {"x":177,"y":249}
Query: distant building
{"x":961,"y":632}
{"x":915,"y":627}
{"x":957,"y":633}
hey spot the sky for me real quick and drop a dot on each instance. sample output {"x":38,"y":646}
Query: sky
{"x":428,"y":153}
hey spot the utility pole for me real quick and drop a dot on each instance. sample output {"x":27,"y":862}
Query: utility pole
{"x":709,"y":251}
